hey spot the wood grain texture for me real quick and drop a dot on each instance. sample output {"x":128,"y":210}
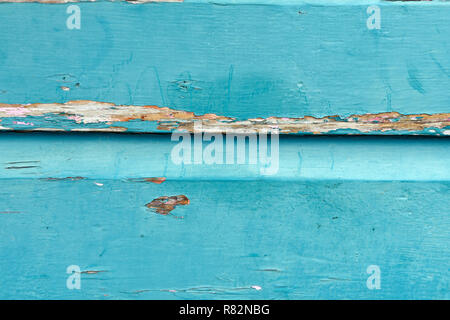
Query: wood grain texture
{"x":142,"y":226}
{"x":302,"y":67}
{"x":303,"y":240}
{"x":336,"y":206}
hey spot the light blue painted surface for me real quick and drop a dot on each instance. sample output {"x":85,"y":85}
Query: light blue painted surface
{"x":315,"y":238}
{"x":117,"y":156}
{"x":335,"y":206}
{"x":242,"y":61}
{"x":295,"y":235}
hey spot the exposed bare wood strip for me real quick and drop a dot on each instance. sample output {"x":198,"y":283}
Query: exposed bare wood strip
{"x":81,"y":115}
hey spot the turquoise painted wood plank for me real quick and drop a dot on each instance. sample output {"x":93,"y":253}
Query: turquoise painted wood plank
{"x":301,"y":240}
{"x":118,"y":156}
{"x":306,"y":221}
{"x":235,"y":2}
{"x":233,"y":65}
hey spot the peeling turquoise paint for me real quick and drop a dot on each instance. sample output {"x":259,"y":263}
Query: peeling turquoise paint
{"x":64,"y":123}
{"x":335,"y":206}
{"x":138,"y":54}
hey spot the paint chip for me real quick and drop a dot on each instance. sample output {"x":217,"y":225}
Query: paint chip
{"x":157,"y":180}
{"x":164,"y":205}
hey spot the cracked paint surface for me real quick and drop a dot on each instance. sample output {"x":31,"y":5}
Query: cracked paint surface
{"x":107,"y":117}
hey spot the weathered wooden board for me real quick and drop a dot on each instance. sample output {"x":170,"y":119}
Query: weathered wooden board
{"x":96,"y":201}
{"x":301,"y":240}
{"x":125,"y":156}
{"x":301,"y":67}
{"x":307,"y":221}
{"x":140,"y":227}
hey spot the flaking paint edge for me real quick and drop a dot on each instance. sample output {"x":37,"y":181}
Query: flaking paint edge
{"x":96,"y":116}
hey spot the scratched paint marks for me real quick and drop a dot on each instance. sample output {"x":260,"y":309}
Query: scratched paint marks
{"x":204,"y":290}
{"x":165,"y":204}
{"x":65,"y":179}
{"x":108,"y":117}
{"x":155,"y":180}
{"x":21,"y":167}
{"x":18,"y":165}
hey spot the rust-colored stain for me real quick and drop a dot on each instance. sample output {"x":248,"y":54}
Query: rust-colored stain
{"x":164,"y":205}
{"x":66,"y":179}
{"x":157,"y":180}
{"x":89,"y":112}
